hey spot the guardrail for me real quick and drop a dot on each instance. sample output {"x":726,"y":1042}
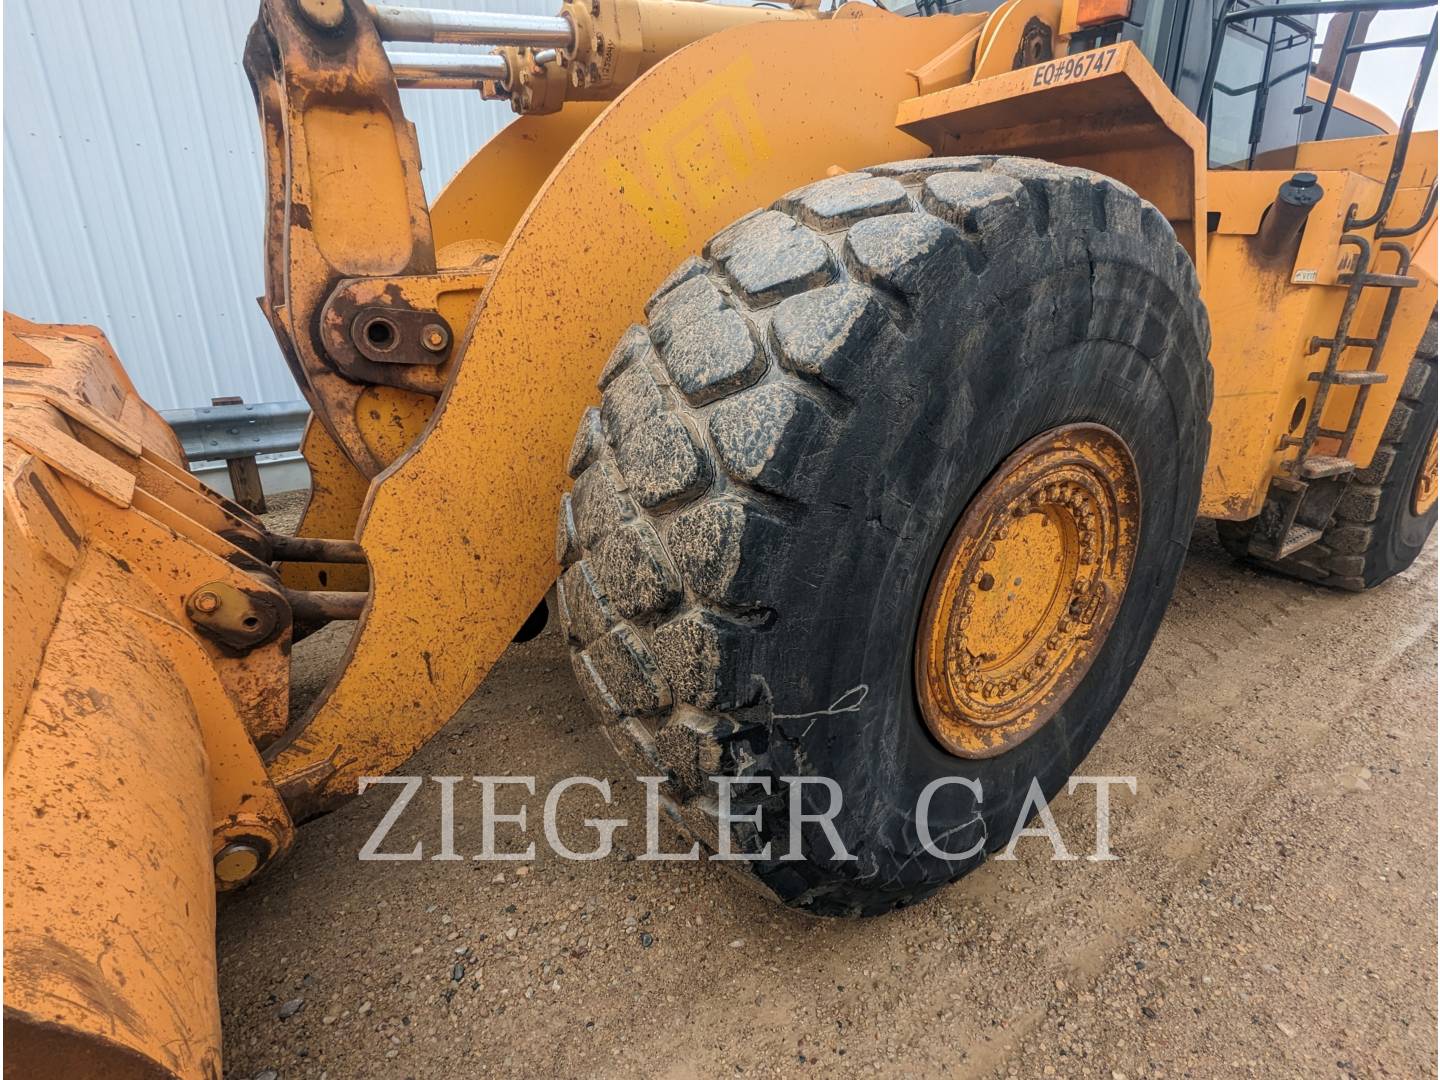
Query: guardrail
{"x":226,"y":432}
{"x":234,"y":433}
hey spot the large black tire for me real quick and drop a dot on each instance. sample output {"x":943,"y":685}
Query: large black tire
{"x":777,"y":462}
{"x":1375,"y":533}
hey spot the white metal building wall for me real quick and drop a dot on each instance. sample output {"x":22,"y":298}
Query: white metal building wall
{"x":134,"y":185}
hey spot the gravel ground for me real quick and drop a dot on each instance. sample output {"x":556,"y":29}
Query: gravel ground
{"x":1272,"y":913}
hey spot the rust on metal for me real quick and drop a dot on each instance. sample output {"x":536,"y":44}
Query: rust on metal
{"x":371,"y":326}
{"x":314,"y":549}
{"x":344,"y":198}
{"x":132,"y":736}
{"x":463,"y":514}
{"x":337,"y":491}
{"x":1026,"y":589}
{"x":239,"y":619}
{"x":325,"y":606}
{"x":1427,"y":481}
{"x":447,"y":353}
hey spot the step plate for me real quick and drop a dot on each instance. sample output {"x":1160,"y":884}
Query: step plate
{"x":1319,"y":467}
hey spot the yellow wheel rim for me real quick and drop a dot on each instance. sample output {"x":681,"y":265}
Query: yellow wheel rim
{"x":1027,"y":589}
{"x":1427,"y":482}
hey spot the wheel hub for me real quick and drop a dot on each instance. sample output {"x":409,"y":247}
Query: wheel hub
{"x":1026,"y":589}
{"x":1427,"y":482}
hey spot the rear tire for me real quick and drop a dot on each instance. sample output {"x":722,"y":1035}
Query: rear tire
{"x":781,"y":454}
{"x":1376,"y":532}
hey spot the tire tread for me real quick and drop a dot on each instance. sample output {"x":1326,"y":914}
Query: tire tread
{"x":816,"y":278}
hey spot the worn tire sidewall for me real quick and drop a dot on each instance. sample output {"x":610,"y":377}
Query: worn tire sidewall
{"x":850,"y":595}
{"x":1404,"y":531}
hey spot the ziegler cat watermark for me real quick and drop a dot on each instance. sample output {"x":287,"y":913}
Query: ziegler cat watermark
{"x":795,"y":818}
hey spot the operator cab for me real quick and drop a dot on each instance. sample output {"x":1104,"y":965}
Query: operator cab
{"x":1262,"y":89}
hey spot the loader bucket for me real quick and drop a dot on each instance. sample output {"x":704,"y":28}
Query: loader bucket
{"x":121,"y":732}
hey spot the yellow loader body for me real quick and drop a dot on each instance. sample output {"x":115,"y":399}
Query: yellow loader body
{"x":133,"y":778}
{"x":150,"y":756}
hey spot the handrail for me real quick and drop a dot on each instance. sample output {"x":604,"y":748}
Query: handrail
{"x":1284,"y":12}
{"x":1402,"y":145}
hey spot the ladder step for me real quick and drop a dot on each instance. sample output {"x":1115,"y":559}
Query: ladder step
{"x":1318,"y":343}
{"x":1321,"y":433}
{"x":1319,"y":467}
{"x":1297,"y":537}
{"x":1350,"y":378}
{"x":1384,"y":281}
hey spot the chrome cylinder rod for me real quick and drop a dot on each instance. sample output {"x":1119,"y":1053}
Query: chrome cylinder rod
{"x":471,"y":27}
{"x":419,"y":70}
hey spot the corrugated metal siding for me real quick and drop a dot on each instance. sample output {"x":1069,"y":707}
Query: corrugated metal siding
{"x":134,"y":184}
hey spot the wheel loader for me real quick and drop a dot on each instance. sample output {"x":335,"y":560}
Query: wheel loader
{"x":878,"y":364}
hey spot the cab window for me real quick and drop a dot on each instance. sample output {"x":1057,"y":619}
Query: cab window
{"x":1259,"y":94}
{"x":1342,"y":125}
{"x":1237,"y":90}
